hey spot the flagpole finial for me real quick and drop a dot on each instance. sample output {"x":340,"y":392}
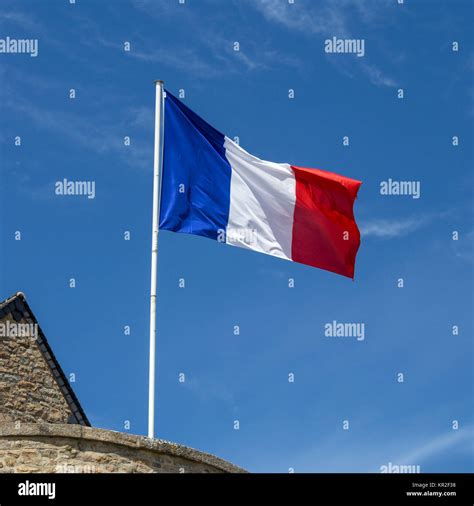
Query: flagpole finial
{"x":158,"y":81}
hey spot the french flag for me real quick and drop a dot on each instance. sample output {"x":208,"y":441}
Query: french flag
{"x":212,"y":187}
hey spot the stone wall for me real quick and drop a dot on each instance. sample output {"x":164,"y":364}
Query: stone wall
{"x":58,"y":448}
{"x":28,"y":391}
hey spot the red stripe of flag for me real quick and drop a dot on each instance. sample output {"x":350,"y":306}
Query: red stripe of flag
{"x":325,"y":234}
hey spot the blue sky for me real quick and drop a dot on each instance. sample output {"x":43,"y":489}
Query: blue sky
{"x":244,"y":93}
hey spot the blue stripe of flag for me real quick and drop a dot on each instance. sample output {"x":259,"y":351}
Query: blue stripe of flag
{"x":195,"y":194}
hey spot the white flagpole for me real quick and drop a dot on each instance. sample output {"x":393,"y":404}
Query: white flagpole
{"x":157,"y":163}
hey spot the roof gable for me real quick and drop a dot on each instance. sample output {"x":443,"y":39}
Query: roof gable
{"x":24,"y":377}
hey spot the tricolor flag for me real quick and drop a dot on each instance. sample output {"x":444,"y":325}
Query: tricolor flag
{"x":214,"y":188}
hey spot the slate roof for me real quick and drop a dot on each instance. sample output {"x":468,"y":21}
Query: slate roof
{"x":19,"y":309}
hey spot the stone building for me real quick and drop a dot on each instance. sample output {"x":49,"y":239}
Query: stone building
{"x":43,"y":427}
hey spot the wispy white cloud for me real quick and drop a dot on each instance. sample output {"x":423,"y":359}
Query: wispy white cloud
{"x":205,"y":56}
{"x":30,"y":27}
{"x":330,"y":18}
{"x":22,"y":19}
{"x":387,"y":229}
{"x":326,"y":17}
{"x":102,"y":135}
{"x":439,"y":445}
{"x":377,"y":77}
{"x":321,"y":18}
{"x":215,"y":57}
{"x":464,"y":246}
{"x":183,"y":59}
{"x":161,"y":7}
{"x":141,"y":117}
{"x":339,"y":452}
{"x":397,"y":227}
